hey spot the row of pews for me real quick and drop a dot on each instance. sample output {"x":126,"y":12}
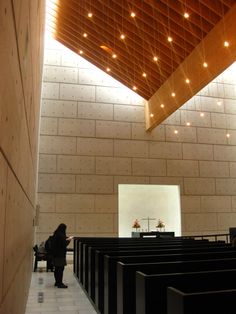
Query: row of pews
{"x":152,"y":275}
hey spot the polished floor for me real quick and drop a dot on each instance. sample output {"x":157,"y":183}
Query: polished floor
{"x":44,"y":298}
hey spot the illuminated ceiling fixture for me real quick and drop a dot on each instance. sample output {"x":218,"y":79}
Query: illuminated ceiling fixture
{"x":202,"y":114}
{"x":134,"y":88}
{"x":187,"y":81}
{"x":188,"y":124}
{"x":176,"y":131}
{"x":90,"y":14}
{"x":226,"y":44}
{"x":162,"y":105}
{"x":170,"y":39}
{"x":155,"y":58}
{"x":132,"y":14}
{"x":122,"y":36}
{"x":151,"y":115}
{"x":114,"y":56}
{"x":144,"y":74}
{"x":205,"y":65}
{"x":85,"y":35}
{"x":227,"y":135}
{"x":173,"y":94}
{"x":108,"y":69}
{"x":81,"y":52}
{"x":219,"y":103}
{"x":186,"y":15}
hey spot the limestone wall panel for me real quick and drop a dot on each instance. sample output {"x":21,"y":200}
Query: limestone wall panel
{"x":214,"y":169}
{"x":52,"y":57}
{"x":76,"y":127}
{"x":106,"y":203}
{"x":113,"y":166}
{"x":229,"y":91}
{"x":204,"y":222}
{"x":47,"y":163}
{"x":50,"y":90}
{"x":199,"y":186}
{"x":130,"y":148}
{"x":60,"y":74}
{"x":219,"y":120}
{"x":57,"y":145}
{"x":216,"y":203}
{"x":225,"y":186}
{"x":75,"y":164}
{"x":225,"y":153}
{"x":96,"y":223}
{"x":232,"y":169}
{"x":169,"y":181}
{"x":148,"y":167}
{"x":225,"y":220}
{"x":95,"y":184}
{"x":195,"y":119}
{"x":77,"y":92}
{"x":47,"y":202}
{"x":49,"y":222}
{"x":211,"y":136}
{"x":182,"y":168}
{"x":129,"y":113}
{"x":94,"y":147}
{"x":185,"y":134}
{"x":75,"y":203}
{"x":139,"y":132}
{"x":59,"y":108}
{"x":97,"y":111}
{"x":96,"y":77}
{"x":111,"y":129}
{"x":56,"y":183}
{"x":48,"y":126}
{"x":229,"y":105}
{"x":116,"y":95}
{"x":190,"y":204}
{"x":165,"y":150}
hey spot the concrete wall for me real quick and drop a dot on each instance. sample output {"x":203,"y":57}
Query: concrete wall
{"x":93,"y":137}
{"x":21,"y":48}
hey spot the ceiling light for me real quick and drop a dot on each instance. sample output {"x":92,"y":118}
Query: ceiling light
{"x":173,"y":94}
{"x":134,"y":88}
{"x":122,"y":36}
{"x":90,"y":14}
{"x":114,"y":56}
{"x":176,"y":131}
{"x":85,"y":35}
{"x":151,"y":115}
{"x":187,"y":81}
{"x":132,"y":14}
{"x":170,"y":39}
{"x":188,"y":124}
{"x":226,"y":44}
{"x":186,"y":15}
{"x":227,"y":135}
{"x":202,"y":114}
{"x":81,"y":52}
{"x":108,"y":69}
{"x":205,"y":65}
{"x":144,"y":74}
{"x":162,"y":105}
{"x":155,"y":58}
{"x":219,"y":103}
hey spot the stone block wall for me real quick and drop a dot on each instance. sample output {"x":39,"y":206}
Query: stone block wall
{"x":93,"y":138}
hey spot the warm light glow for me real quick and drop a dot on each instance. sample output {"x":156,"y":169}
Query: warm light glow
{"x":173,"y":94}
{"x":227,"y":135}
{"x":132,"y":14}
{"x":226,"y":44}
{"x":134,"y":88}
{"x":202,"y":114}
{"x":187,"y":81}
{"x":170,"y":39}
{"x":114,"y":56}
{"x":186,"y":15}
{"x":205,"y":64}
{"x":85,"y":35}
{"x":155,"y":58}
{"x":122,"y":36}
{"x":151,"y":115}
{"x":144,"y":74}
{"x":162,"y":105}
{"x":219,"y":103}
{"x":176,"y":131}
{"x":188,"y":124}
{"x":90,"y":14}
{"x":108,"y":69}
{"x":81,"y":52}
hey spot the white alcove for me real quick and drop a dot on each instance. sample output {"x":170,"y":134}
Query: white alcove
{"x":137,"y":201}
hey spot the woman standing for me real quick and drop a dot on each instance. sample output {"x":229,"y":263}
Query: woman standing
{"x":59,"y":244}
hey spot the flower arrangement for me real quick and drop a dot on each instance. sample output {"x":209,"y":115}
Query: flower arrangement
{"x":136,"y":224}
{"x":160,"y":224}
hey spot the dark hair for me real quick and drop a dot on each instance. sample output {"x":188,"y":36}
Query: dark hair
{"x":60,"y":229}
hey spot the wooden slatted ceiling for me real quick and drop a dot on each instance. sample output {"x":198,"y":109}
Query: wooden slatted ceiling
{"x":146,"y":35}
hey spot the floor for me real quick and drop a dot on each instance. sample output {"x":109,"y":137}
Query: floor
{"x":44,"y":298}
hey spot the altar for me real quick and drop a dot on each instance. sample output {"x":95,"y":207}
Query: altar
{"x":153,"y":234}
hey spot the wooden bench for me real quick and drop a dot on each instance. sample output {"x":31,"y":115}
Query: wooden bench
{"x":217,"y":302}
{"x":151,"y":290}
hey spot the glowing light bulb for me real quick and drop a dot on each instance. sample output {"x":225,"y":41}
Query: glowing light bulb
{"x":151,"y":115}
{"x":226,"y":44}
{"x":173,"y":94}
{"x":108,"y":69}
{"x":188,"y":124}
{"x":170,"y":39}
{"x":205,"y":65}
{"x":162,"y":105}
{"x":81,"y":52}
{"x":176,"y":131}
{"x":85,"y":35}
{"x":90,"y":14}
{"x":134,"y":88}
{"x":144,"y":74}
{"x":155,"y":58}
{"x":219,"y":103}
{"x":202,"y":114}
{"x":122,"y":36}
{"x":186,"y":15}
{"x":132,"y":14}
{"x":114,"y":56}
{"x":187,"y":81}
{"x":227,"y":135}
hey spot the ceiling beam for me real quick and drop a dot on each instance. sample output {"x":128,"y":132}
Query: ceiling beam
{"x":210,"y":50}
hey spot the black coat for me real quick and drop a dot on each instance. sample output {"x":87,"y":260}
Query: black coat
{"x":59,"y":244}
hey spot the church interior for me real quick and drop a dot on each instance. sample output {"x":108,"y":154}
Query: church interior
{"x":100,"y":95}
